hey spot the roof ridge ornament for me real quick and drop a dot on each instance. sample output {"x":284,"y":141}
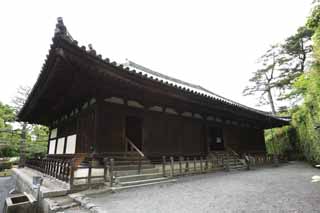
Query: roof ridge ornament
{"x":61,"y":30}
{"x":91,"y":50}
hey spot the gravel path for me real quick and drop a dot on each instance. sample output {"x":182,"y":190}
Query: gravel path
{"x":6,"y":184}
{"x":287,"y":188}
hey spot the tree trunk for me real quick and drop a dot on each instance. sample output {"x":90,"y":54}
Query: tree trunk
{"x":22,"y":160}
{"x":271,"y":101}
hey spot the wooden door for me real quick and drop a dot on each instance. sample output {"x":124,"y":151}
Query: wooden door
{"x":215,"y":138}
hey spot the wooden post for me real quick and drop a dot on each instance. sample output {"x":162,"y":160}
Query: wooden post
{"x":164,"y":166}
{"x":187,"y":165}
{"x":105,"y":169}
{"x":180,"y":164}
{"x":247,"y":160}
{"x":194,"y":164}
{"x":222,"y":159}
{"x":212,"y":163}
{"x":275,"y":160}
{"x":172,"y":165}
{"x":201,"y":166}
{"x":206,"y":165}
{"x":226,"y":162}
{"x":111,"y":171}
{"x":55,"y":166}
{"x":139,"y":164}
{"x":89,"y":172}
{"x":72,"y":173}
{"x":61,"y":167}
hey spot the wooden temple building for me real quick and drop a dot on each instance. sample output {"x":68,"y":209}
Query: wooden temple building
{"x":93,"y":105}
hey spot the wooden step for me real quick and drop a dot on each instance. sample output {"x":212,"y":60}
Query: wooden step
{"x":139,"y":177}
{"x":139,"y":182}
{"x":119,"y":188}
{"x":131,"y":162}
{"x":135,"y":172}
{"x":132,"y":167}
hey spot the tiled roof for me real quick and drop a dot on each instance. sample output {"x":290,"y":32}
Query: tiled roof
{"x":145,"y":73}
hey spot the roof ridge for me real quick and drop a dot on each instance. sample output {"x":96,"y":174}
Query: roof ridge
{"x":179,"y":81}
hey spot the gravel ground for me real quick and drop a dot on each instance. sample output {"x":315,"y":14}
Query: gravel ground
{"x":287,"y":188}
{"x":6,"y":184}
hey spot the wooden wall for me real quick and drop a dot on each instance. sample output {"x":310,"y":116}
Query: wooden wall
{"x":163,"y":134}
{"x":102,"y":127}
{"x":244,"y":139}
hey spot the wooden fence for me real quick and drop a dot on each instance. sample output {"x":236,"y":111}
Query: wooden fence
{"x":261,"y":159}
{"x":181,"y":166}
{"x":87,"y":175}
{"x":66,"y":170}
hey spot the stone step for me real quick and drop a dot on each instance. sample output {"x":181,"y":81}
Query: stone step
{"x":135,"y":172}
{"x":119,"y":188}
{"x":61,"y":203}
{"x":139,"y":182}
{"x":139,"y":177}
{"x":132,"y":167}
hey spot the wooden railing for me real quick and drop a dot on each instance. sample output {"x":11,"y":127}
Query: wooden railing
{"x":87,"y":175}
{"x":260,"y":159}
{"x":70,"y":171}
{"x":57,"y":168}
{"x":181,"y":166}
{"x":131,"y":147}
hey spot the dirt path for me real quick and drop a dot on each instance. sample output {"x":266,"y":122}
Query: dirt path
{"x":287,"y":188}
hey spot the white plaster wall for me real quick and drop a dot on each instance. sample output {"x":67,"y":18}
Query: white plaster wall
{"x":60,"y":146}
{"x":54,"y":133}
{"x":71,"y":144}
{"x":52,"y":146}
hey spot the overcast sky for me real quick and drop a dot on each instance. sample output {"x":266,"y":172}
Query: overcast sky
{"x":211,"y":43}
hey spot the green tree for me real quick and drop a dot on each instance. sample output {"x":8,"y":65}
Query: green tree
{"x":7,"y":135}
{"x":296,"y":50}
{"x":264,"y":79}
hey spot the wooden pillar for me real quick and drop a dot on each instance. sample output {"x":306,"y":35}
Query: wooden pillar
{"x":97,"y":118}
